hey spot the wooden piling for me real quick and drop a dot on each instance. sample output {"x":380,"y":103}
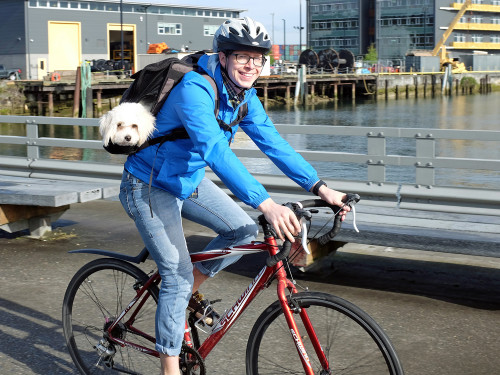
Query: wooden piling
{"x":266,"y":94}
{"x":76,"y":93}
{"x":40,"y":104}
{"x":51,"y":103}
{"x":90,"y":102}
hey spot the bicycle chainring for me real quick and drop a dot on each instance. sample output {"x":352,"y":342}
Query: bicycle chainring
{"x":191,"y":362}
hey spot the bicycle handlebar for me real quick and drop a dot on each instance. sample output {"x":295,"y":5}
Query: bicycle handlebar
{"x":299,"y":210}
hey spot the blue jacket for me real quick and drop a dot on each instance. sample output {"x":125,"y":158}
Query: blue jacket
{"x":179,"y":166}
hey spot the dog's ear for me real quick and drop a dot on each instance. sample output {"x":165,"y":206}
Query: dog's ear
{"x":105,"y":128}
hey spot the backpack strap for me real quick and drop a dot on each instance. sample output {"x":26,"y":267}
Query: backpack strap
{"x":181,"y":133}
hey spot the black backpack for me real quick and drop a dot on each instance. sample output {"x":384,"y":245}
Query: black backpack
{"x":152,"y":86}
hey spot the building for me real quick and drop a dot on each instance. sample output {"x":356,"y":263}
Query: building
{"x":397,"y":27}
{"x":338,"y":24}
{"x":477,"y":30}
{"x":43,"y":36}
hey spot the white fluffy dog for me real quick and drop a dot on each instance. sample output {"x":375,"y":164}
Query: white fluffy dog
{"x":128,"y":124}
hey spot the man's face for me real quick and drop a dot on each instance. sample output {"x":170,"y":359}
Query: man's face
{"x":243,"y":67}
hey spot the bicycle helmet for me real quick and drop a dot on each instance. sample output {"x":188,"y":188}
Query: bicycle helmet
{"x":242,"y":34}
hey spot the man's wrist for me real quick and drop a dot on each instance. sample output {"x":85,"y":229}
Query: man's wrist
{"x":315,"y":189}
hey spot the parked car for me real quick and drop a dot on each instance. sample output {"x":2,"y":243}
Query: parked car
{"x":9,"y":73}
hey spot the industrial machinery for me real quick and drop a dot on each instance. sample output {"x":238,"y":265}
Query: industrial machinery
{"x":440,"y":48}
{"x":327,"y":60}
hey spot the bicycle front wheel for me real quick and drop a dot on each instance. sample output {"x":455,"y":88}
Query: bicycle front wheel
{"x":95,"y":297}
{"x":351,"y":340}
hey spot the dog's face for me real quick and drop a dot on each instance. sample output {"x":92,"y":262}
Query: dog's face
{"x":129,"y":124}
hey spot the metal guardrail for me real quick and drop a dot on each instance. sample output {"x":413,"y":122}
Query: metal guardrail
{"x":424,"y":193}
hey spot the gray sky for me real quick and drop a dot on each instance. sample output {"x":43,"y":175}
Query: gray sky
{"x":260,"y":10}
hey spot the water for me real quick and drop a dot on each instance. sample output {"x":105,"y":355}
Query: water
{"x":474,"y":112}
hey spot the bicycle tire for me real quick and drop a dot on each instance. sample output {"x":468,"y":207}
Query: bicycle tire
{"x":352,"y":341}
{"x":95,"y":296}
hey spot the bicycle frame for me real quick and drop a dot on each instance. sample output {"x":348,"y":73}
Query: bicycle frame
{"x":228,"y":319}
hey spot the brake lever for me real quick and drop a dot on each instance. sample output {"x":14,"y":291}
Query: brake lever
{"x":351,"y":200}
{"x":303,"y":217}
{"x":304,"y":236}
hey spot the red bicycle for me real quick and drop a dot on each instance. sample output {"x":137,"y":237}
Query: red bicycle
{"x":110,"y":304}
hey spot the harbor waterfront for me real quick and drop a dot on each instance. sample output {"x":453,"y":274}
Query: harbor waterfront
{"x":463,"y":112}
{"x":104,"y":90}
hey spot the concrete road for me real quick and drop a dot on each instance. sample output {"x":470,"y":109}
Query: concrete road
{"x":440,"y":310}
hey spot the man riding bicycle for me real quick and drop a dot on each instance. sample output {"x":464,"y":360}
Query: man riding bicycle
{"x":179,"y":189}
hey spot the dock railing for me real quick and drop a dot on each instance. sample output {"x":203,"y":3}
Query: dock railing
{"x":376,"y":190}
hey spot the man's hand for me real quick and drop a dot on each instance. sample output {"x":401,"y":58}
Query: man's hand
{"x":334,"y":197}
{"x":281,"y":218}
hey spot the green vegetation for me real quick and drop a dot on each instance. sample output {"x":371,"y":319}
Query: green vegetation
{"x":372,"y":54}
{"x":11,"y":98}
{"x":468,"y":82}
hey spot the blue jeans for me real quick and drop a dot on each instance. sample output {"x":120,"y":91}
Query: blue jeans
{"x":163,"y":235}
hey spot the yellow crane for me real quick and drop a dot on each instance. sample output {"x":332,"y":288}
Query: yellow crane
{"x":440,"y":48}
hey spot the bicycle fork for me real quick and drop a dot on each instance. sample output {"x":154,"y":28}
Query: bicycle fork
{"x":288,"y":312}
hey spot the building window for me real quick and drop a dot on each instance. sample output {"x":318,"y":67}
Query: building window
{"x":169,"y":28}
{"x":96,"y":6}
{"x":209,"y":30}
{"x":495,"y":39}
{"x":477,"y":38}
{"x":459,"y":38}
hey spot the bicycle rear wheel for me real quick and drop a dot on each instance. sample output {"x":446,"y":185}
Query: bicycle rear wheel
{"x":95,"y":297}
{"x":351,"y":340}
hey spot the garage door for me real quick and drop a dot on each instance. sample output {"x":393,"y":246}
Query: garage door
{"x":64,"y":45}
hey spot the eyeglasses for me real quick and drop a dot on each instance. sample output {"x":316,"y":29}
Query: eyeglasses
{"x":244,"y":59}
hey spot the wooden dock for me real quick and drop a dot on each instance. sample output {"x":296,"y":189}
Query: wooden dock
{"x":43,"y":94}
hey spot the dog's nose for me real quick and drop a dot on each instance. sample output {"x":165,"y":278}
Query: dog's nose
{"x":128,"y":138}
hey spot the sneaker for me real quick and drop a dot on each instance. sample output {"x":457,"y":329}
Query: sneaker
{"x":202,"y":309}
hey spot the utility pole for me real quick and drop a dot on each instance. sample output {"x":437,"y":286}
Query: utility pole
{"x":272,"y":35}
{"x":121,"y":33}
{"x":300,"y":26}
{"x":284,"y":39}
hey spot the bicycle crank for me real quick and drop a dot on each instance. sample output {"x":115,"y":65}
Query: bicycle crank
{"x":191,"y":362}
